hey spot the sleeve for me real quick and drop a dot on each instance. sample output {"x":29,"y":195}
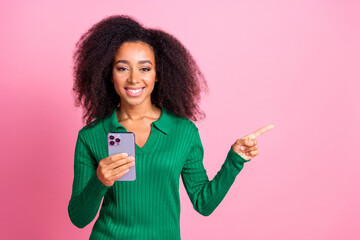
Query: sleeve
{"x":206,"y":195}
{"x":87,"y":191}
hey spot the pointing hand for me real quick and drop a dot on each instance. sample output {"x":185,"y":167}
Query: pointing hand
{"x":246,"y":147}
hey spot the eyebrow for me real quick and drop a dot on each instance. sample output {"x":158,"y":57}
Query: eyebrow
{"x":141,"y":61}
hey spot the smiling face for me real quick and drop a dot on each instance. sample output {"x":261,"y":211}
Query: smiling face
{"x":134,"y":73}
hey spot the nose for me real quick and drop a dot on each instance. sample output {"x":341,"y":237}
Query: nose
{"x":134,"y":76}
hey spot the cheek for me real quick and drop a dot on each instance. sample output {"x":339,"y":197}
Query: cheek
{"x":117,"y":83}
{"x":150,"y":80}
{"x":118,"y":80}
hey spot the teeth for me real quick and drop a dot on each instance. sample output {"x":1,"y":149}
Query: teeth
{"x":135,"y":91}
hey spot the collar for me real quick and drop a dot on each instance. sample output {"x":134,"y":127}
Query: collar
{"x":164,"y":123}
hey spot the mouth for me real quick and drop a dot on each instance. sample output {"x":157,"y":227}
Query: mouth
{"x":134,"y":91}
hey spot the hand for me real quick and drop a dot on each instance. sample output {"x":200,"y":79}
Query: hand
{"x":114,"y":167}
{"x":246,"y":147}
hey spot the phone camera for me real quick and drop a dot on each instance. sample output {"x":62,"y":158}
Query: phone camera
{"x":111,"y":137}
{"x":117,"y":140}
{"x":112,"y":143}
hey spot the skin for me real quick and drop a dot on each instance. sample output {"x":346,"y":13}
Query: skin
{"x":134,"y":66}
{"x":128,"y":71}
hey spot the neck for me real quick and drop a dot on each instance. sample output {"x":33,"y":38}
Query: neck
{"x":138,"y":112}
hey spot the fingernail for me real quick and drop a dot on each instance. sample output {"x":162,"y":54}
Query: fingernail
{"x":242,"y":148}
{"x":250,"y":142}
{"x":125,"y":154}
{"x":132,"y":158}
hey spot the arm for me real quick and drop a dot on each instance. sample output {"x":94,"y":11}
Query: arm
{"x":206,"y":195}
{"x":87,"y":191}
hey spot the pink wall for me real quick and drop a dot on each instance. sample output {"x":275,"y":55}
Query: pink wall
{"x":294,"y":64}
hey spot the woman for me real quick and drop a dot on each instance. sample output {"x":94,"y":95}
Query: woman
{"x":129,"y":78}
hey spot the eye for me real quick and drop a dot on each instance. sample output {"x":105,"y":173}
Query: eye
{"x":121,"y":69}
{"x":145,"y":69}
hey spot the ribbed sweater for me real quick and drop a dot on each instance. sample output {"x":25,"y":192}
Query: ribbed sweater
{"x":149,"y":207}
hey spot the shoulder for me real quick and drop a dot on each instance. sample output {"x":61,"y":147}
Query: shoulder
{"x":189,"y":124}
{"x":93,"y":128}
{"x":185,"y":125}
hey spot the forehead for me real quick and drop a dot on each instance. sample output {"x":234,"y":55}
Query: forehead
{"x":135,"y":50}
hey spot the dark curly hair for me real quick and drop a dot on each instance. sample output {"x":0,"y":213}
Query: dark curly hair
{"x":180,"y":81}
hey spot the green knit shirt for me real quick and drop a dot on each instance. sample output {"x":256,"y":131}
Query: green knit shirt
{"x":149,"y":207}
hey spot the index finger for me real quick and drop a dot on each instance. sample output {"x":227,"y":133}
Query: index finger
{"x":261,"y":131}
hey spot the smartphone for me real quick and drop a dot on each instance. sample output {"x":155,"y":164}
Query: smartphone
{"x":123,"y":142}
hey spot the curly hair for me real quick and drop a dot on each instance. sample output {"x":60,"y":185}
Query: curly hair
{"x":180,"y":81}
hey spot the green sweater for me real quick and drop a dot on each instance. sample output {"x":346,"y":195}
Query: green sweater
{"x":149,"y":207}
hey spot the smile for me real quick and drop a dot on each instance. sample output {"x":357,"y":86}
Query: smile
{"x":134,"y":92}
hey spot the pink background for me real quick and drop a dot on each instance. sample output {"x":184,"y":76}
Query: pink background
{"x":294,"y":64}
